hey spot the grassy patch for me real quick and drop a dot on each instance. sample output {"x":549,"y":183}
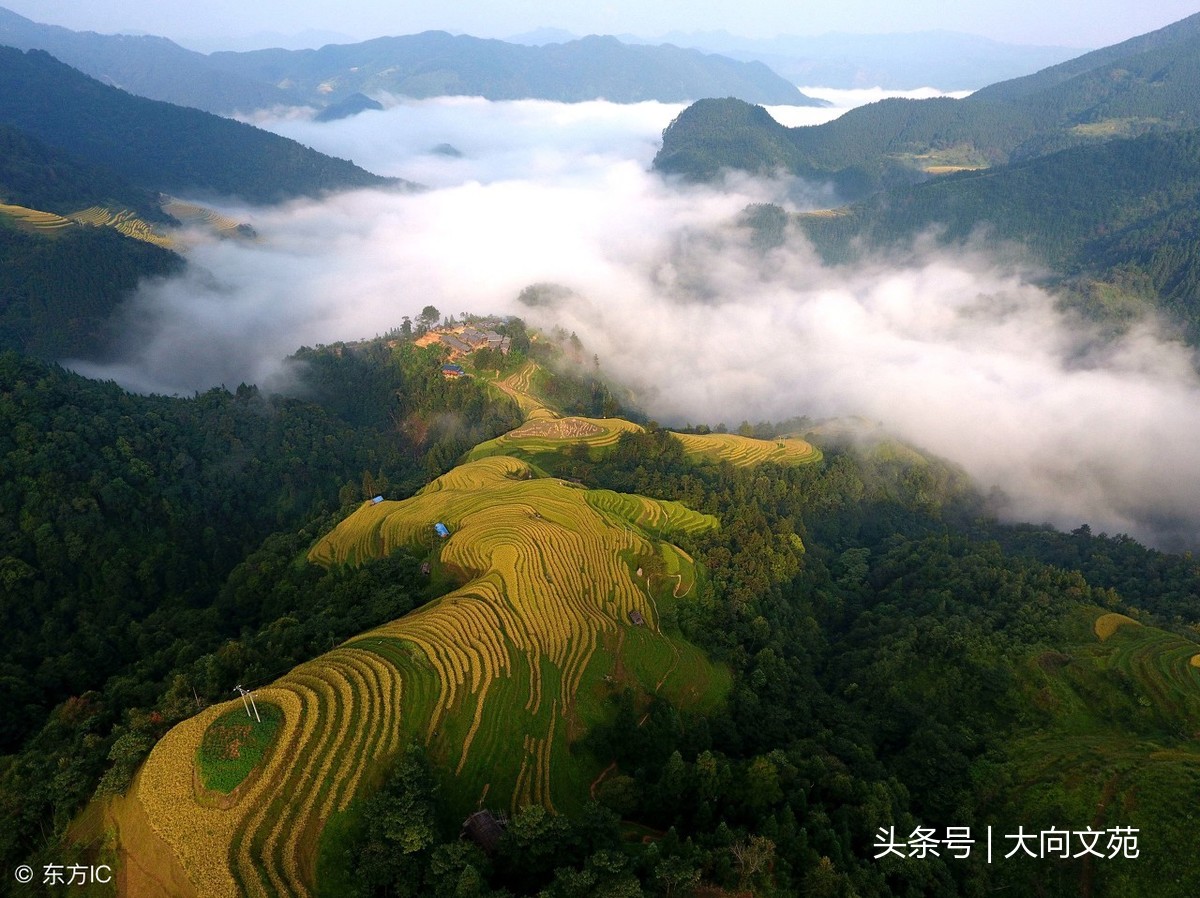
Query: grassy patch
{"x":960,"y":157}
{"x":1114,"y":127}
{"x":234,"y":744}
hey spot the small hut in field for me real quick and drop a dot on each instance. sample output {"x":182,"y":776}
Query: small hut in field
{"x":484,"y":829}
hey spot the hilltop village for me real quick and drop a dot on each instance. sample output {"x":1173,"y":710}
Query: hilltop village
{"x":462,"y":341}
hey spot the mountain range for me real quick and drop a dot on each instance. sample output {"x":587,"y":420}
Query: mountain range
{"x":435,"y":63}
{"x":148,"y":66}
{"x":945,"y":59}
{"x":421,"y":65}
{"x":1145,"y":84}
{"x":1090,"y":164}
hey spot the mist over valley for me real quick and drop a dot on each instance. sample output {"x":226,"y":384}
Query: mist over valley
{"x":966,"y":354}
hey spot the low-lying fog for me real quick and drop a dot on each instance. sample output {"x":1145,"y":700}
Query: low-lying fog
{"x":959,"y":354}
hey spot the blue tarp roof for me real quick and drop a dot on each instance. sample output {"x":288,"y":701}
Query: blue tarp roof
{"x":441,"y":529}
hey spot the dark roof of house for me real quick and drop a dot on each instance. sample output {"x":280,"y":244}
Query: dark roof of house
{"x":484,"y":830}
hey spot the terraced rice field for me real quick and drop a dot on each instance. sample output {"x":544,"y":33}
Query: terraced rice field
{"x":1159,"y":663}
{"x":1115,"y":742}
{"x":124,"y":220}
{"x":745,"y":452}
{"x":519,"y":387}
{"x":548,"y":434}
{"x":497,"y":678}
{"x":1106,"y":624}
{"x":339,"y":713}
{"x":191,"y":214}
{"x":35,"y":219}
{"x":662,"y":518}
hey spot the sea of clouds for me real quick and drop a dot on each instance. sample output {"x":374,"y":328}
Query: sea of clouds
{"x":963,"y":354}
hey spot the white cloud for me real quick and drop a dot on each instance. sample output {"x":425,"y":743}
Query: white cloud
{"x":961,"y":355}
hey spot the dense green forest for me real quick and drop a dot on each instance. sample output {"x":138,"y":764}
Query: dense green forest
{"x":40,"y":177}
{"x":58,"y":294}
{"x":159,"y":146}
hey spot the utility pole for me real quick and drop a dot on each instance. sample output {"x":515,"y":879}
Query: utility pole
{"x":247,"y":694}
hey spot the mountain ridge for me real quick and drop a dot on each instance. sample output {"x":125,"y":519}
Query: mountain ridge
{"x":421,"y":65}
{"x":161,"y":146}
{"x":437,"y":63}
{"x":1144,"y":84}
{"x":146,"y":65}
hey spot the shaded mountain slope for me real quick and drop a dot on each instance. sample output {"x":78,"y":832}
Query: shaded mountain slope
{"x":1143,"y":85}
{"x":148,"y":66}
{"x":160,"y":146}
{"x":42,"y":177}
{"x":1123,"y":209}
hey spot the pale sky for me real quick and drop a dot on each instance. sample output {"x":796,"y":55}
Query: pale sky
{"x":1072,"y":23}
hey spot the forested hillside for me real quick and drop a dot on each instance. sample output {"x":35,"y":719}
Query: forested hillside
{"x":1143,"y":85}
{"x":1098,"y":65}
{"x":38,"y":176}
{"x":148,"y":66}
{"x":1125,"y":211}
{"x":58,"y":293}
{"x":895,"y":655}
{"x":122,"y":517}
{"x":76,"y":154}
{"x":159,"y":146}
